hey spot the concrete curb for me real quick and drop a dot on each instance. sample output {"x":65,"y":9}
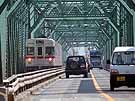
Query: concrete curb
{"x":26,"y":94}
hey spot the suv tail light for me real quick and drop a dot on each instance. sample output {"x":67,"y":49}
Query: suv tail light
{"x":82,"y":66}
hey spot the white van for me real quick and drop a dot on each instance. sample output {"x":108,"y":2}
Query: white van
{"x":122,"y":67}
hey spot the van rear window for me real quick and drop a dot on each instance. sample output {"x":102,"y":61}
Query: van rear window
{"x":124,"y":58}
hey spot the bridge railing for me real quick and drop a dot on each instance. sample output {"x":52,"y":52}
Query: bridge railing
{"x":21,"y":82}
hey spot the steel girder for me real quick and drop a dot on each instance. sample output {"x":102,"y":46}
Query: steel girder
{"x":63,"y":10}
{"x":57,"y":18}
{"x":17,"y":31}
{"x":72,"y":11}
{"x":123,"y":21}
{"x":130,"y":3}
{"x":3,"y":5}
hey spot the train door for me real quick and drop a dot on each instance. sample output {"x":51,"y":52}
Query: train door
{"x":50,"y":55}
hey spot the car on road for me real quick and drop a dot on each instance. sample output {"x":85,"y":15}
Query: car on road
{"x":76,"y":65}
{"x":95,"y":59}
{"x":122,"y":67}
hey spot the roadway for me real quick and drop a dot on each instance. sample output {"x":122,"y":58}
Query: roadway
{"x":76,"y":88}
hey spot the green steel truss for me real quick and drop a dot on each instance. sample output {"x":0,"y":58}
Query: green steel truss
{"x":102,"y":24}
{"x":18,"y":30}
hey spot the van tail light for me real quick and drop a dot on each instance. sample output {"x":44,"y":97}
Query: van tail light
{"x":114,"y":71}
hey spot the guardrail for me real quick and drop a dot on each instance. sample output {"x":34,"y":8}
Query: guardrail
{"x":21,"y":82}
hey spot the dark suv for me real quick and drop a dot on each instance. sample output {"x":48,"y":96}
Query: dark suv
{"x":76,"y":65}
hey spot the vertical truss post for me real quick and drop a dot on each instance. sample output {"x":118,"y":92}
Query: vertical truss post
{"x":118,"y":33}
{"x":134,"y":28}
{"x":106,"y":52}
{"x":85,"y":6}
{"x":1,"y":76}
{"x":28,"y":10}
{"x":110,"y":48}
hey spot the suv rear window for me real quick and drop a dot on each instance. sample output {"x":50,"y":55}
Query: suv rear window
{"x":79,"y":59}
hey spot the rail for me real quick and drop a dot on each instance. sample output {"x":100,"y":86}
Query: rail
{"x":21,"y":82}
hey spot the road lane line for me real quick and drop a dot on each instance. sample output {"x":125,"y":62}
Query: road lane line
{"x":98,"y":88}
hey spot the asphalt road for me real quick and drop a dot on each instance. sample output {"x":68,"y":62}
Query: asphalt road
{"x":76,"y":88}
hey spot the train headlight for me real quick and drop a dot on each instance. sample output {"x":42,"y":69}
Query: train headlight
{"x":50,"y":59}
{"x":29,"y":60}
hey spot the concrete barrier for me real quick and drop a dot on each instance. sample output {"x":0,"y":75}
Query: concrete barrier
{"x":2,"y":97}
{"x":21,"y":83}
{"x":3,"y":94}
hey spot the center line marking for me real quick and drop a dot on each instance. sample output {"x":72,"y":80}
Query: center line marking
{"x":98,"y":88}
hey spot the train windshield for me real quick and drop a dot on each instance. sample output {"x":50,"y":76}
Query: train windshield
{"x":30,"y":50}
{"x":39,"y":50}
{"x":49,"y":51}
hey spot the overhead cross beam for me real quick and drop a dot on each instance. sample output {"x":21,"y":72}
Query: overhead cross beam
{"x":75,"y":10}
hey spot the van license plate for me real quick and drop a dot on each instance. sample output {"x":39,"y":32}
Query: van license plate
{"x":121,"y":78}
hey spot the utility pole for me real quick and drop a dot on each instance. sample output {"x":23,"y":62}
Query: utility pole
{"x":1,"y":76}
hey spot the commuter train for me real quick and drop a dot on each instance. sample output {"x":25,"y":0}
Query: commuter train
{"x":42,"y":53}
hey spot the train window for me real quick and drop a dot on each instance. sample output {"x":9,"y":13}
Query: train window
{"x":39,"y":41}
{"x":49,"y":51}
{"x":30,"y":50}
{"x":39,"y":50}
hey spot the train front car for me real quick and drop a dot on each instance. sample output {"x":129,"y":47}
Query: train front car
{"x":43,"y":53}
{"x":30,"y":55}
{"x":53,"y":53}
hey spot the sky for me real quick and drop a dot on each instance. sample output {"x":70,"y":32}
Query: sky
{"x":81,"y":50}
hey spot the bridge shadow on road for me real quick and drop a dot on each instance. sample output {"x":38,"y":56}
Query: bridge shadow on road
{"x":87,"y":86}
{"x":73,"y":85}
